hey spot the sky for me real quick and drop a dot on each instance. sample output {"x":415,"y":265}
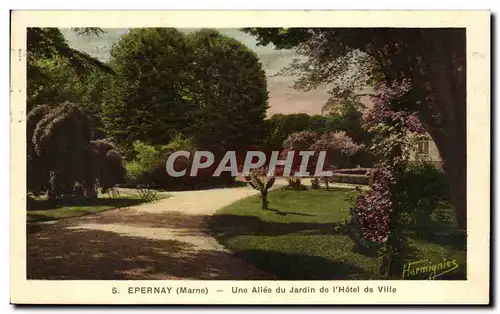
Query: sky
{"x":282,"y":97}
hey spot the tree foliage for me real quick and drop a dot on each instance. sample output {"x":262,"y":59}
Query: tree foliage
{"x":430,"y":61}
{"x":50,"y":42}
{"x":229,"y":89}
{"x":348,"y":119}
{"x":61,"y":153}
{"x":300,"y":141}
{"x":204,"y":85}
{"x":280,"y":126}
{"x":146,"y":100}
{"x":55,"y":71}
{"x":377,"y":212}
{"x":37,"y":173}
{"x":60,"y":139}
{"x":106,"y":165}
{"x":338,"y":147}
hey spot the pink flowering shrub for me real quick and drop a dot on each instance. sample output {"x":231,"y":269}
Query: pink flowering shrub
{"x":384,"y":100}
{"x":337,"y":145}
{"x":371,"y":212}
{"x":376,"y":213}
{"x":300,"y":141}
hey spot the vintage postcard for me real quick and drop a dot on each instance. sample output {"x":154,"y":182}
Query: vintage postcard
{"x":250,"y":157}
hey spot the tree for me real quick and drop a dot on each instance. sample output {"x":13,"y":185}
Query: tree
{"x":299,"y":141}
{"x":203,"y":85}
{"x":280,"y":126}
{"x":348,"y":117}
{"x":105,"y":168}
{"x":229,"y":89}
{"x":148,"y":99}
{"x":339,"y":149}
{"x":338,"y":146}
{"x":60,"y":139}
{"x":37,"y":172}
{"x":376,"y":213}
{"x":259,"y":180}
{"x":50,"y":42}
{"x":430,"y":61}
{"x":54,"y":70}
{"x":61,"y":154}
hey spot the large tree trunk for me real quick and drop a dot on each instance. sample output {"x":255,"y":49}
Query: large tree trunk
{"x":444,"y":109}
{"x":455,"y":168}
{"x":435,"y":60}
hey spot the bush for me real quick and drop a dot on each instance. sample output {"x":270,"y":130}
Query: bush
{"x":371,"y":213}
{"x":140,"y":169}
{"x":422,"y":187}
{"x":149,"y":167}
{"x":136,"y":174}
{"x":295,"y":183}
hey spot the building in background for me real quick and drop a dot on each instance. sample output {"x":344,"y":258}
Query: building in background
{"x":426,"y":150}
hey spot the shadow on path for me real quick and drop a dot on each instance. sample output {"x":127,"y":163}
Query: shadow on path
{"x":69,"y":251}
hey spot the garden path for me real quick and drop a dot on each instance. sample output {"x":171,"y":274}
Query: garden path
{"x":167,"y":239}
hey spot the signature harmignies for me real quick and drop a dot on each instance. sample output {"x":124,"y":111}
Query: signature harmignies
{"x":427,"y":267}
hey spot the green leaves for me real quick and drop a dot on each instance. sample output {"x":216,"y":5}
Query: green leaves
{"x":229,"y":90}
{"x":282,"y":38}
{"x":146,"y":99}
{"x":203,"y":85}
{"x":57,"y":73}
{"x":50,"y":42}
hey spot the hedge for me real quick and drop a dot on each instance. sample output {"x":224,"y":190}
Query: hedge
{"x":360,"y":179}
{"x":363,"y":171}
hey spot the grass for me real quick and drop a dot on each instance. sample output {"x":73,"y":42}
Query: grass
{"x":40,"y":209}
{"x":302,"y":238}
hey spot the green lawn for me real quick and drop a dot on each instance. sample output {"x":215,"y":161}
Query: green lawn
{"x":302,"y":238}
{"x":40,"y":209}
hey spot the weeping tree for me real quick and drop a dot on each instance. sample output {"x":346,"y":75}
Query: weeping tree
{"x":37,"y":173}
{"x":60,"y":140}
{"x":105,"y":167}
{"x":62,"y":155}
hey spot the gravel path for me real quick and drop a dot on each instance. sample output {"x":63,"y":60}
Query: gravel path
{"x":168,"y":239}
